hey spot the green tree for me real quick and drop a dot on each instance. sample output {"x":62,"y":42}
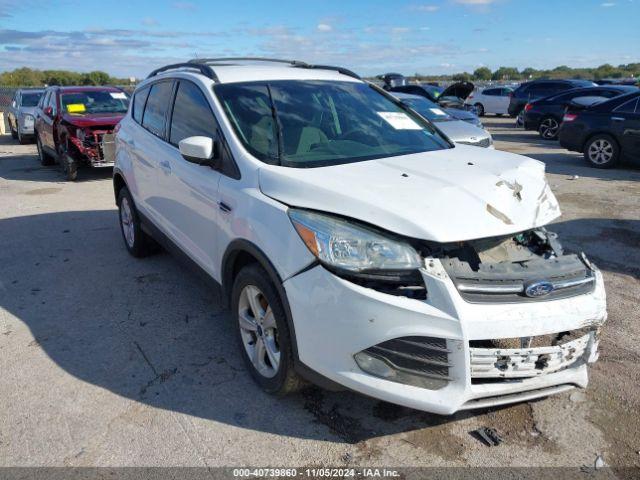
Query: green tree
{"x":482,"y":73}
{"x":462,"y":77}
{"x":506,"y":73}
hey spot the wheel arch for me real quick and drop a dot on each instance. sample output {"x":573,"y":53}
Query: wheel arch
{"x":118,"y":183}
{"x":601,"y":132}
{"x":240,"y":253}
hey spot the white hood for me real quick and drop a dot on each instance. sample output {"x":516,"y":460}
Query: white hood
{"x":462,"y":193}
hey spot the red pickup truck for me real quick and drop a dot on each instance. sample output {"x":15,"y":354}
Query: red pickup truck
{"x":74,"y":126}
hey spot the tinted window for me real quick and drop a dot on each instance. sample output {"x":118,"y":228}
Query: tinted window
{"x":628,"y":107}
{"x":492,"y":92}
{"x":44,"y":100}
{"x":191,"y":114}
{"x":139,"y":100}
{"x":156,"y":109}
{"x":505,"y":92}
{"x":52,"y":102}
{"x":31,"y":99}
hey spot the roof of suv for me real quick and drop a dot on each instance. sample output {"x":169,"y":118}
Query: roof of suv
{"x":251,"y":70}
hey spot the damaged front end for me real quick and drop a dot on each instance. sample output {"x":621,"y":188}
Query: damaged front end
{"x":527,"y":267}
{"x":94,"y":146}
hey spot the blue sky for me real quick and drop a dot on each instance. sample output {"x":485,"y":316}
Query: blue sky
{"x":369,"y":36}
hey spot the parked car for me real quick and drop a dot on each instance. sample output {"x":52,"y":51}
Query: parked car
{"x":490,"y":100}
{"x":74,"y":126}
{"x":545,"y":115}
{"x":457,"y":130}
{"x":357,"y":246}
{"x":535,"y":89}
{"x":446,"y":99}
{"x":21,"y":114}
{"x":606,"y":132}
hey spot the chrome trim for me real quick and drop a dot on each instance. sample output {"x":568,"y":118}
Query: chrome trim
{"x":484,"y":288}
{"x":488,"y":288}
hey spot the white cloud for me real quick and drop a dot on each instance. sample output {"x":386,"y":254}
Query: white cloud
{"x":399,"y":30}
{"x":608,"y":4}
{"x":149,"y":21}
{"x":475,"y":2}
{"x":324,"y":27}
{"x":427,"y":8}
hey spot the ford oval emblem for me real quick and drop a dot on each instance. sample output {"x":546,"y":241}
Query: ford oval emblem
{"x":538,"y":289}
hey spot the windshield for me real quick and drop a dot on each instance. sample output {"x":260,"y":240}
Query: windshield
{"x":433,"y":90}
{"x":319,"y":123}
{"x":31,"y":99}
{"x":429,"y":110}
{"x":80,"y":103}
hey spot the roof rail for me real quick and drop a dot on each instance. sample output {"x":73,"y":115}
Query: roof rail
{"x":203,"y":65}
{"x":202,"y":68}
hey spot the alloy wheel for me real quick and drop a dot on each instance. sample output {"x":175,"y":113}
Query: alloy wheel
{"x":601,"y":152}
{"x":549,"y":128}
{"x":126,"y":219}
{"x":259,"y":331}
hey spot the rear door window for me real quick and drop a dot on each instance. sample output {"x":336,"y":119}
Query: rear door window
{"x":192,"y":115}
{"x":155,"y":111}
{"x":492,"y":92}
{"x":628,"y":107}
{"x":139,"y":99}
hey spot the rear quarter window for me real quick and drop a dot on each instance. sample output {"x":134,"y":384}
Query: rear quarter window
{"x":139,"y":99}
{"x":155,"y":111}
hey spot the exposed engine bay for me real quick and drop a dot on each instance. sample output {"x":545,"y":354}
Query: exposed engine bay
{"x":529,"y":266}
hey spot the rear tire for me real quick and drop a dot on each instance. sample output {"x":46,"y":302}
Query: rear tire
{"x":14,"y":134}
{"x":548,"y":129}
{"x":602,"y":151}
{"x":45,"y":159}
{"x":137,"y":242}
{"x":263,"y":332}
{"x":479,"y":109}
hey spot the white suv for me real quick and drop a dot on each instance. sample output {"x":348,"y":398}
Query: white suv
{"x":357,"y":245}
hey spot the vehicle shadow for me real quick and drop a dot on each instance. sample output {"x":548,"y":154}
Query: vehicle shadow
{"x":152,"y":331}
{"x":570,"y":163}
{"x":28,"y":168}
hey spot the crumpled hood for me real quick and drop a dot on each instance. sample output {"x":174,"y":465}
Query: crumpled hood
{"x":462,"y":193}
{"x":94,"y":120}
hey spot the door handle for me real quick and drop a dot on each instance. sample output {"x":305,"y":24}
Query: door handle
{"x":224,"y":207}
{"x":618,"y":119}
{"x":166,"y":166}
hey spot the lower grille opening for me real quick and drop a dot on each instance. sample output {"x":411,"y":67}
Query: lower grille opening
{"x":516,"y":359}
{"x":418,"y":361}
{"x":405,"y":284}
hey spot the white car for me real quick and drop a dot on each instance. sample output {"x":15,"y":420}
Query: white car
{"x":490,"y":100}
{"x":357,"y":246}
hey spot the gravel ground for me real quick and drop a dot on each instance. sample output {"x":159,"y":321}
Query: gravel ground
{"x":111,"y":361}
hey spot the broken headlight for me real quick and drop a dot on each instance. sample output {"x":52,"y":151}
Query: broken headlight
{"x":346,"y":245}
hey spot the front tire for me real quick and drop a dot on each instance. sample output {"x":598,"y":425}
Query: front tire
{"x":138,"y":243}
{"x":479,"y":109}
{"x":263,"y":332}
{"x":45,"y":159}
{"x":602,"y":151}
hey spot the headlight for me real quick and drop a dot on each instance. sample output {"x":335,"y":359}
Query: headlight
{"x":346,"y":245}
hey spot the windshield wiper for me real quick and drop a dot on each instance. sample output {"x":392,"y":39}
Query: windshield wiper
{"x":276,"y":121}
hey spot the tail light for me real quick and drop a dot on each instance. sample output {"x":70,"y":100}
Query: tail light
{"x":117,"y":128}
{"x":528,"y":107}
{"x":470,"y":96}
{"x":569,"y":117}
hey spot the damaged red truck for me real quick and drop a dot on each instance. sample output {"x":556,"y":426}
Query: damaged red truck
{"x":74,"y":126}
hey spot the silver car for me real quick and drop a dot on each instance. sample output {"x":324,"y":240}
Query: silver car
{"x":457,"y":130}
{"x":21,"y":115}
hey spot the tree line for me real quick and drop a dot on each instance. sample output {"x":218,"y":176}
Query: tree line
{"x":631,"y":70}
{"x":27,"y":77}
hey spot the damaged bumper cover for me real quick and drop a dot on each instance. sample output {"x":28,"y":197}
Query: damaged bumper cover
{"x":446,"y":353}
{"x":97,"y":148}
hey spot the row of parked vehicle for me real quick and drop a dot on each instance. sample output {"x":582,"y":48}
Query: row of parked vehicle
{"x":600,"y":121}
{"x":72,"y":126}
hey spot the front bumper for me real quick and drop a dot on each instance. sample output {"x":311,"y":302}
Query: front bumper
{"x":334,"y":319}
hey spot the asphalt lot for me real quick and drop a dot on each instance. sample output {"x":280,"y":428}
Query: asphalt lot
{"x":108,"y":360}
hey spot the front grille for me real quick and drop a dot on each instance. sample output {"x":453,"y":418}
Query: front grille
{"x":526,"y":357}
